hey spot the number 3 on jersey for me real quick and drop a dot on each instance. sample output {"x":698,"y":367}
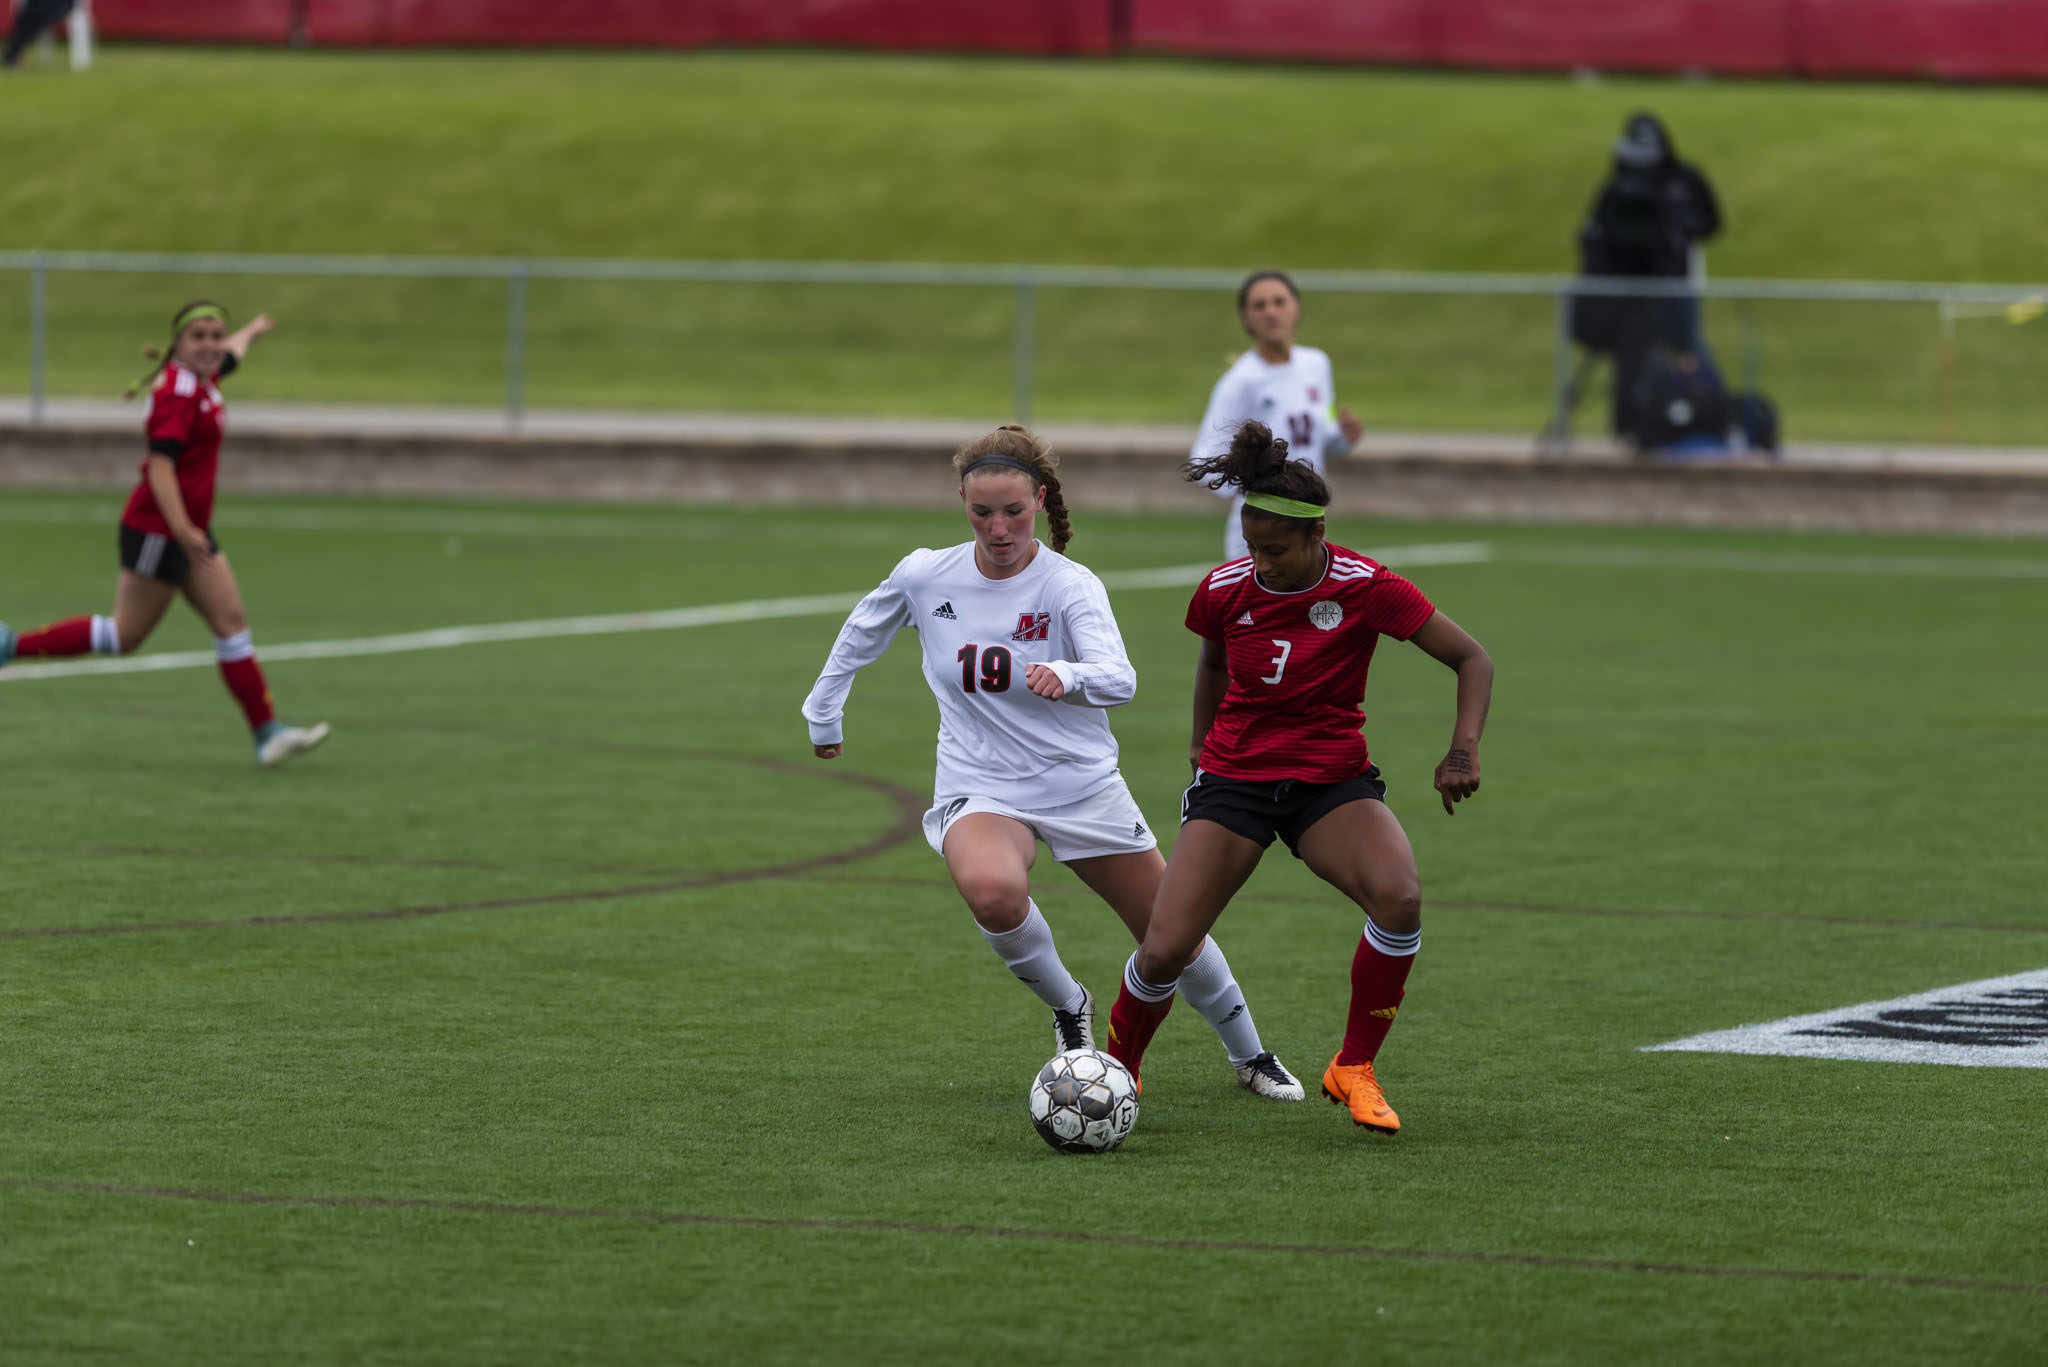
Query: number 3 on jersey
{"x":995,"y":669}
{"x":1279,"y":661}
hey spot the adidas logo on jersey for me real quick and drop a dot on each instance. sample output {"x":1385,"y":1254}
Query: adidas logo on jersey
{"x":945,"y":610}
{"x":1245,"y":619}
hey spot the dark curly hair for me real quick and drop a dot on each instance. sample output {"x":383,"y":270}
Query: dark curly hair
{"x":1019,"y":444}
{"x":1257,"y":463}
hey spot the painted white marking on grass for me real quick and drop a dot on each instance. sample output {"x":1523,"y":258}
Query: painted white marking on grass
{"x":1781,"y":562}
{"x":716,"y":614}
{"x":1993,"y":1023}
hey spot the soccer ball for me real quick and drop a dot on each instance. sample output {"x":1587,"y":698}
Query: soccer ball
{"x":1084,"y":1102}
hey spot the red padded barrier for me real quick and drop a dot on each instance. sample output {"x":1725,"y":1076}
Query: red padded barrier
{"x":194,"y":21}
{"x":1385,"y":31}
{"x":1952,"y":39}
{"x":1976,"y":40}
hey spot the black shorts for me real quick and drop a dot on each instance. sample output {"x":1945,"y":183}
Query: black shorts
{"x":156,"y":556}
{"x":1259,"y":809}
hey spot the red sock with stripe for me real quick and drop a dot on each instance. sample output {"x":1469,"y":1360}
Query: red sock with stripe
{"x":1379,"y":972}
{"x":72,"y":636}
{"x":244,"y":678}
{"x":1140,"y":1009}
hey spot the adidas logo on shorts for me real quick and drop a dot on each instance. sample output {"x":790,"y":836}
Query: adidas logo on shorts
{"x":1137,"y":830}
{"x":945,"y":610}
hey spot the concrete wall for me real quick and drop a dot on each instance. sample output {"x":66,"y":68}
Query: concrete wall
{"x":1100,"y":472}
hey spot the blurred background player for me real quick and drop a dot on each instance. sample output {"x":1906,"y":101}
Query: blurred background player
{"x":1287,"y":639}
{"x":1279,"y":382}
{"x":31,"y":21}
{"x":165,"y":543}
{"x":1023,"y":654}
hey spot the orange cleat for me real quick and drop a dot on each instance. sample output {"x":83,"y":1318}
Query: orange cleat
{"x":1353,"y":1085}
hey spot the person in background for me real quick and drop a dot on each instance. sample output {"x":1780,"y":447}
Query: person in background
{"x":1279,"y":382}
{"x":166,"y":546}
{"x":31,"y":21}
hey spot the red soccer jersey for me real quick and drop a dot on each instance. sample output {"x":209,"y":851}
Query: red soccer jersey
{"x":1297,"y":665}
{"x":184,"y":422}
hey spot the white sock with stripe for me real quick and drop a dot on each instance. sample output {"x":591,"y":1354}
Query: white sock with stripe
{"x":1028,"y":952}
{"x":1208,"y":985}
{"x":106,"y":637}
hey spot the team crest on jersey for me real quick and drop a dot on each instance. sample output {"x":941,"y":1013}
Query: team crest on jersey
{"x":1032,"y":626}
{"x":1325,"y":615}
{"x":1313,"y":395}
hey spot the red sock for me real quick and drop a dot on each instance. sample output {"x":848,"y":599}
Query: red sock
{"x":244,"y":679}
{"x":1376,"y":992}
{"x":72,"y":636}
{"x":1132,"y":1023}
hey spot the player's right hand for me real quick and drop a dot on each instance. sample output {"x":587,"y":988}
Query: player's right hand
{"x":828,"y":751}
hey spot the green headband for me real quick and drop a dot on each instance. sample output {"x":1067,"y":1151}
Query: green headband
{"x":194,"y":314}
{"x":1283,"y":507}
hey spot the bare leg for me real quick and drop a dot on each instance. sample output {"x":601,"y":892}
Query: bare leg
{"x":1128,"y":882}
{"x":1209,"y":865}
{"x":1361,"y":850}
{"x":213,"y":593}
{"x":990,"y":858}
{"x":139,"y":604}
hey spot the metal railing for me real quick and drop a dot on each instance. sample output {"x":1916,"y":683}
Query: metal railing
{"x":1951,"y":300}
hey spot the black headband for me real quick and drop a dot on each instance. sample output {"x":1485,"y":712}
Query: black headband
{"x":1011,"y":461}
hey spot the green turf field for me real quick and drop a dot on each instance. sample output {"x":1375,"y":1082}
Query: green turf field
{"x":563,"y":1009}
{"x":795,"y":155}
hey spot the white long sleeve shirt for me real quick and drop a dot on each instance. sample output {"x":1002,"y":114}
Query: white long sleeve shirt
{"x":977,"y":635}
{"x":1296,"y":398}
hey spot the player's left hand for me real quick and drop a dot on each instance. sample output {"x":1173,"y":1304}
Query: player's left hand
{"x":1044,"y":682}
{"x":1350,"y":426}
{"x":1457,"y":776}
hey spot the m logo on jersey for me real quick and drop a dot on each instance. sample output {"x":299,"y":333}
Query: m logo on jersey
{"x":1325,"y":616}
{"x":1032,"y":626}
{"x":945,"y":610}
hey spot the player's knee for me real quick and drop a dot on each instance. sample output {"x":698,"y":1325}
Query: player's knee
{"x":1159,"y":962}
{"x":1395,"y":908}
{"x":998,"y":903}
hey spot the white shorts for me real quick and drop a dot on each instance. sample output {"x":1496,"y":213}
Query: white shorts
{"x":1107,"y":821}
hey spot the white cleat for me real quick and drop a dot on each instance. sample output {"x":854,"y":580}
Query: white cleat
{"x":1265,"y":1076}
{"x":1074,"y":1029}
{"x":280,"y":742}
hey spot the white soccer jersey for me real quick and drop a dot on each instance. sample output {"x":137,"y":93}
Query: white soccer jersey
{"x":1297,"y":399}
{"x":996,"y":737}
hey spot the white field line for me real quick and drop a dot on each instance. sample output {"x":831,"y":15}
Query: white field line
{"x":717,"y":614}
{"x":1779,"y":562}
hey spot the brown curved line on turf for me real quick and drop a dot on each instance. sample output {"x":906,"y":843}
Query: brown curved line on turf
{"x":909,"y":819}
{"x":1422,"y":1255}
{"x":1626,"y":913}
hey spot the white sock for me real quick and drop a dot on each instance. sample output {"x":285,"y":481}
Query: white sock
{"x":106,"y":637}
{"x":1154,"y":993}
{"x":228,"y":649}
{"x":1029,"y":953}
{"x":1208,"y":986}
